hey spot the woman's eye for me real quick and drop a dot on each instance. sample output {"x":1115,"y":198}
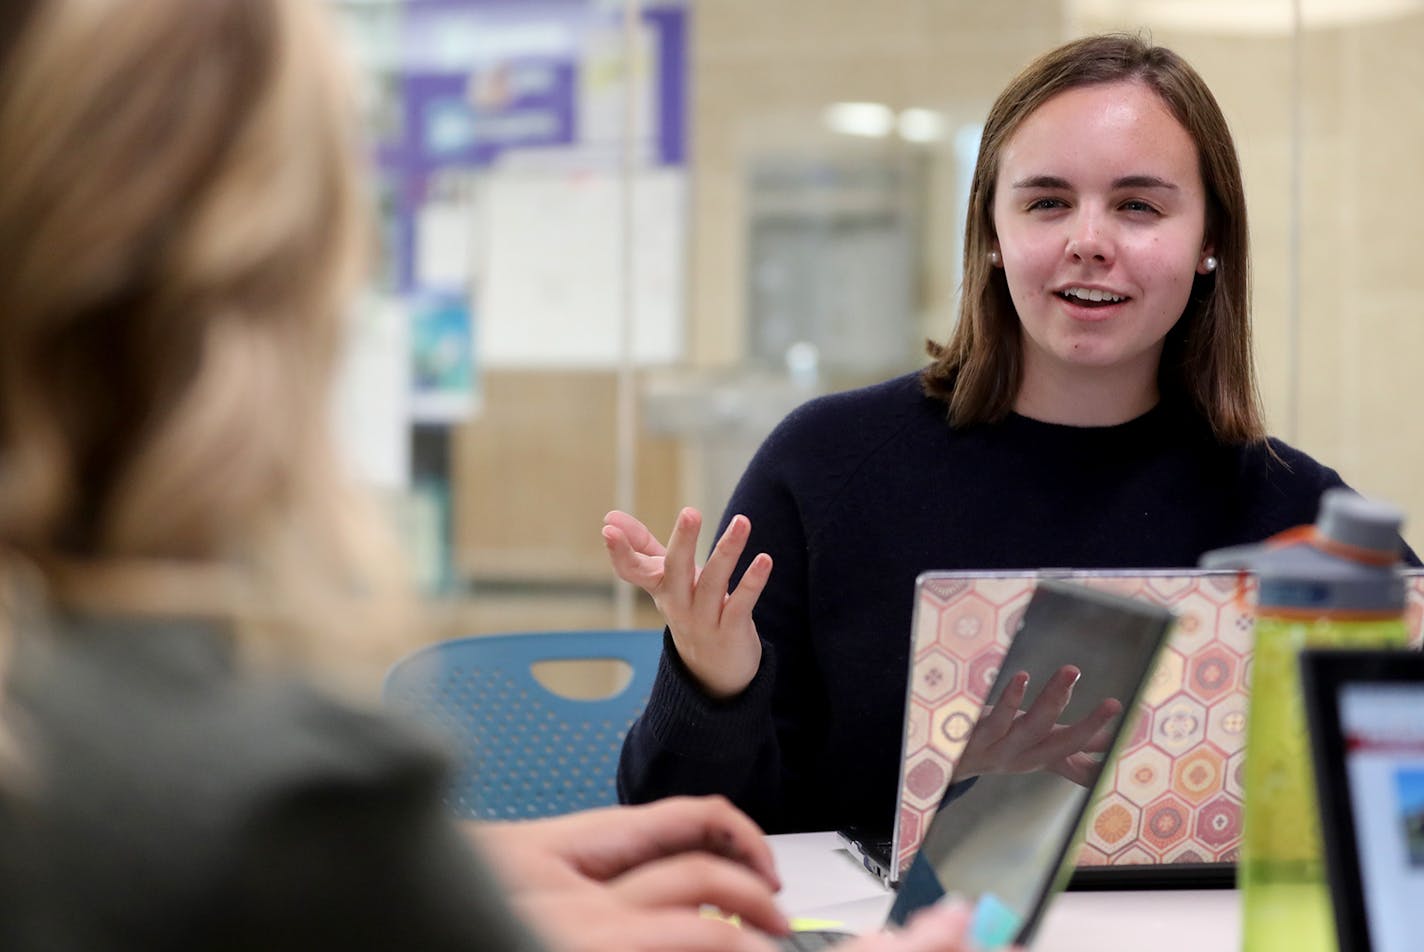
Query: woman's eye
{"x":1136,"y":205}
{"x":1047,"y":203}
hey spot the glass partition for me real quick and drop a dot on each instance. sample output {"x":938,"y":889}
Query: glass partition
{"x":622,"y":239}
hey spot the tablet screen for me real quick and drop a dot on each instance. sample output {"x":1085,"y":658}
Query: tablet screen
{"x":1000,"y":840}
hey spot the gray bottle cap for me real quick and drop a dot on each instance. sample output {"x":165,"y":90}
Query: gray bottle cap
{"x":1351,"y":519}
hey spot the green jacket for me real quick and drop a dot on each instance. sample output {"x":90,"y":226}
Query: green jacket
{"x":164,"y":801}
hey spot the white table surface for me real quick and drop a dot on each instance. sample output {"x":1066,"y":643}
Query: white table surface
{"x":822,"y":881}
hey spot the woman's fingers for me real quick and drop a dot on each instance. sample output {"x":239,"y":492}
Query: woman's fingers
{"x":1102,"y":740}
{"x":592,"y":920}
{"x":680,"y":567}
{"x":639,"y":536}
{"x":997,"y":720}
{"x":1080,"y":768}
{"x":937,"y":928}
{"x":635,"y":553}
{"x":990,"y":747}
{"x":941,"y":927}
{"x":737,"y":609}
{"x":608,"y":842}
{"x":717,"y":573}
{"x":1007,"y":741}
{"x":713,"y":825}
{"x":633,"y":567}
{"x":1041,"y":717}
{"x":1077,"y":737}
{"x":693,"y":880}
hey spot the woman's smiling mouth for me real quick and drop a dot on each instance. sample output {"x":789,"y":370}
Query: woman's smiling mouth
{"x":1090,"y":296}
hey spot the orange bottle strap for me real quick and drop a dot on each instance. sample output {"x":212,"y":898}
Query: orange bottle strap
{"x":1239,"y":596}
{"x":1311,"y":536}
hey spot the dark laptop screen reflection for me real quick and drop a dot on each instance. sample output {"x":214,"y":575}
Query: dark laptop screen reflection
{"x":999,"y":840}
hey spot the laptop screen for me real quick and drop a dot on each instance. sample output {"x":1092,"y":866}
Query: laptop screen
{"x":999,"y":840}
{"x":1370,"y":767}
{"x":1384,"y":763}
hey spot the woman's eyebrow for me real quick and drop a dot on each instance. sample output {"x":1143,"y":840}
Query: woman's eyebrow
{"x":1126,"y":181}
{"x":1042,"y":181}
{"x":1143,"y":181}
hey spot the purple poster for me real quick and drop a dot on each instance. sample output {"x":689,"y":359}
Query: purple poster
{"x":479,"y":79}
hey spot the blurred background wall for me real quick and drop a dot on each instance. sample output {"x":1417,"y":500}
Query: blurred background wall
{"x":623,"y":238}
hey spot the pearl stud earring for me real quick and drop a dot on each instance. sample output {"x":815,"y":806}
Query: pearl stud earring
{"x":1210,"y":263}
{"x":994,"y":258}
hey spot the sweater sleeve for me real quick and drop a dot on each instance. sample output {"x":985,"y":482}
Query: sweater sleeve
{"x":746,"y":748}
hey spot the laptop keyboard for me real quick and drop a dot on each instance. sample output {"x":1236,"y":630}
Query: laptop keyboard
{"x":812,"y":940}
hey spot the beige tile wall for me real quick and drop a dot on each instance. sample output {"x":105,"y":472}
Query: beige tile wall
{"x":1362,"y":288}
{"x":1346,"y":392}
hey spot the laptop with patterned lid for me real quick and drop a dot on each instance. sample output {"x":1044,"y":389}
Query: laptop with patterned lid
{"x":1170,"y":813}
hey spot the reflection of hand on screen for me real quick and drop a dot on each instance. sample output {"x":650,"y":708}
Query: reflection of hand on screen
{"x":1008,"y":739}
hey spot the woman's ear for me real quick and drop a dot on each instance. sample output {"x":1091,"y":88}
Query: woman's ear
{"x":1207,"y":261}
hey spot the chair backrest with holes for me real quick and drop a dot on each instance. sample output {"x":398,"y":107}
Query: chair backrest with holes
{"x":522,"y":750}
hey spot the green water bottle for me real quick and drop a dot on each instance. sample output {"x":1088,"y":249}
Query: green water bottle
{"x":1336,"y":583}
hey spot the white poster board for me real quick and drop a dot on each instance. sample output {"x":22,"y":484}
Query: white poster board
{"x":552,"y":294}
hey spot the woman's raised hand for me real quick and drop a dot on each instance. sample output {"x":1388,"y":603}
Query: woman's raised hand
{"x":712,"y":629}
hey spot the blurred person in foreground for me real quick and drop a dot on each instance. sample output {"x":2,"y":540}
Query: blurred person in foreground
{"x":182,"y":224}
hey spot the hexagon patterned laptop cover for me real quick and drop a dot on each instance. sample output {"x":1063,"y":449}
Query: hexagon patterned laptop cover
{"x":1174,"y":795}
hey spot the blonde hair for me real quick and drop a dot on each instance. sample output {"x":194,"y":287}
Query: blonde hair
{"x":1207,"y":360}
{"x":182,"y":225}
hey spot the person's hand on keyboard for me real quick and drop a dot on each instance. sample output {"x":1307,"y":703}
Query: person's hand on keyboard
{"x":631,"y":878}
{"x":600,"y":919}
{"x":600,"y":845}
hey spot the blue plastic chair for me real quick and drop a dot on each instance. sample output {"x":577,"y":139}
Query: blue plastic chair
{"x":522,"y":750}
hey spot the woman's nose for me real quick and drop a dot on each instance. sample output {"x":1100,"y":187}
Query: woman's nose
{"x":1088,"y":241}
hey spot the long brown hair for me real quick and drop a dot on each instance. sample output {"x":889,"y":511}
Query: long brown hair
{"x":182,"y":225}
{"x":1207,"y":359}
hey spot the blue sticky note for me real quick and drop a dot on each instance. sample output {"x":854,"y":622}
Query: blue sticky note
{"x":994,"y":924}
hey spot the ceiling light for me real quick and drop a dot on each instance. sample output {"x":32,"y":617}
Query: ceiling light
{"x":920,"y":125}
{"x":1260,"y":17}
{"x":871,"y":119}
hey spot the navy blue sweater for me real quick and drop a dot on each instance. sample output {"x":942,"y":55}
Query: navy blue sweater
{"x":854,"y":495}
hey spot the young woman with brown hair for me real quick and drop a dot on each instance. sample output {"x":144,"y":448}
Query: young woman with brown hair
{"x":1095,"y":407}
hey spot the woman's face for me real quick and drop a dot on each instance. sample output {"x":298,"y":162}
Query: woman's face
{"x":1099,"y":211}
